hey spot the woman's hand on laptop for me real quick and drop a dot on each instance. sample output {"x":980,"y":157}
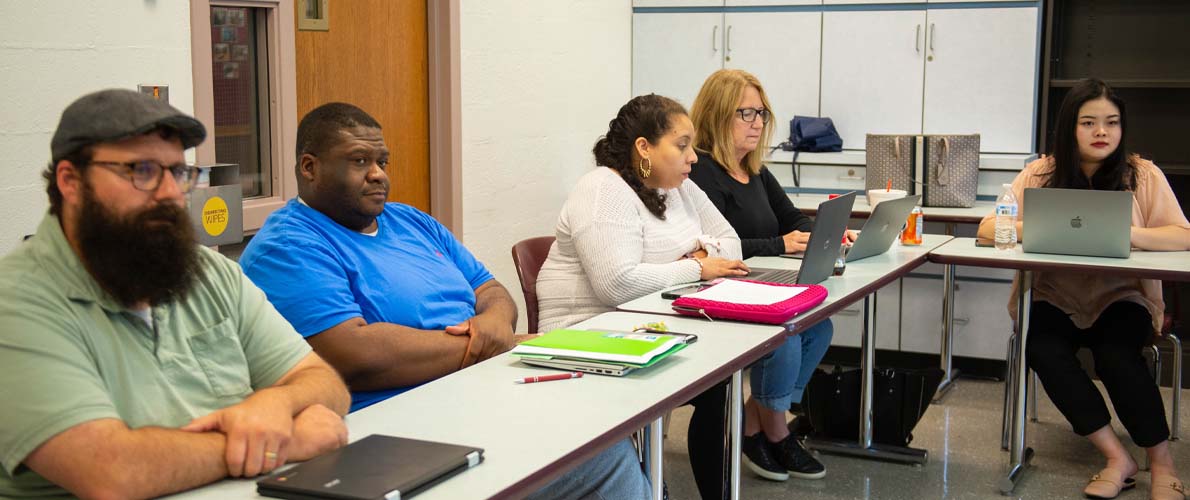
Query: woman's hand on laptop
{"x":796,"y":241}
{"x":718,"y":267}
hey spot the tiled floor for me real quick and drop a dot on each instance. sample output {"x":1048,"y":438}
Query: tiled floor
{"x":962,"y":436}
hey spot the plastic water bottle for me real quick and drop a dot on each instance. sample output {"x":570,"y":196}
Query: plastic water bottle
{"x":1006,"y":220}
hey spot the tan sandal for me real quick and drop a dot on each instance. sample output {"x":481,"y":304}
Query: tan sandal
{"x":1167,"y":488}
{"x":1108,"y":483}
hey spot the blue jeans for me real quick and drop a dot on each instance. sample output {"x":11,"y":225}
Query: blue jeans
{"x":779,"y":379}
{"x":614,"y":473}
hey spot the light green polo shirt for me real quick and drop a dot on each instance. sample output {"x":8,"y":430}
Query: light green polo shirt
{"x":69,"y":353}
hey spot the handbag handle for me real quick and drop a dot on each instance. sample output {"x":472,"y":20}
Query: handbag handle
{"x":897,"y":155}
{"x":940,"y":170}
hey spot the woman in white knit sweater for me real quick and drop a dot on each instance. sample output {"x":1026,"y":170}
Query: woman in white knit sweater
{"x":635,"y":226}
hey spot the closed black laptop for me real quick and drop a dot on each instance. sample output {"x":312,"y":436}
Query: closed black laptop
{"x":375,"y":467}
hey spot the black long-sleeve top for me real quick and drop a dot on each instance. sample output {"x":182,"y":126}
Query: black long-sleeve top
{"x":759,"y":211}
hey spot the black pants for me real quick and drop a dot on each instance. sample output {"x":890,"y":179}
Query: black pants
{"x":1115,"y":341}
{"x":706,"y":442}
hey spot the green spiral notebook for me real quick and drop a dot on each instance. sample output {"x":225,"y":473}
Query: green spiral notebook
{"x":634,"y":348}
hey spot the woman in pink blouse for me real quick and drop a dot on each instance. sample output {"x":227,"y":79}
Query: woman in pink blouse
{"x":1113,"y":316}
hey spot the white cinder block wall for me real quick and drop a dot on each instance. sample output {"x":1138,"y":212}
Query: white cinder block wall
{"x":52,"y":52}
{"x":539,"y":80}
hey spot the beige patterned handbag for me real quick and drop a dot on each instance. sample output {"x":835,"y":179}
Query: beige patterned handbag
{"x":944,"y":169}
{"x":951,"y":175}
{"x":891,"y":158}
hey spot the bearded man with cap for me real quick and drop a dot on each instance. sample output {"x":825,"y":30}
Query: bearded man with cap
{"x":133,"y":361}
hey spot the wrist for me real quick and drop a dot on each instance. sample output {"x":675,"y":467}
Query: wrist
{"x":701,"y":268}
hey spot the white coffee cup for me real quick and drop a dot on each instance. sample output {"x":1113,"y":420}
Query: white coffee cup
{"x":875,"y":196}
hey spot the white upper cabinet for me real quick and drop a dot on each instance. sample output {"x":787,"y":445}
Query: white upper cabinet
{"x":753,"y":3}
{"x":677,"y":3}
{"x":782,"y":50}
{"x":981,"y":76}
{"x":872,"y":63}
{"x":853,"y":2}
{"x":672,"y":53}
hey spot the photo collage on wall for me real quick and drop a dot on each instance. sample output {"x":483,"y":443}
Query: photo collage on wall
{"x":230,"y":47}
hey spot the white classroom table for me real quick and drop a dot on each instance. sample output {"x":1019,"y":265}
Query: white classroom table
{"x":532,"y":433}
{"x":860,"y":281}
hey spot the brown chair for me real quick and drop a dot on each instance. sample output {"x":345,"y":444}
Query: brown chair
{"x":528,"y":256}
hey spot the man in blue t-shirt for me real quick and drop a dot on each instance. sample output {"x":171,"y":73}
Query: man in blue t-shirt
{"x":383,"y":291}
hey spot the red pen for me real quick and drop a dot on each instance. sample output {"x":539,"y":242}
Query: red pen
{"x":547,"y":378}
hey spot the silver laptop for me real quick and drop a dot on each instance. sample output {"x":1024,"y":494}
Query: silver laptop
{"x":1077,"y":222}
{"x":821,"y":251}
{"x":882,"y":227}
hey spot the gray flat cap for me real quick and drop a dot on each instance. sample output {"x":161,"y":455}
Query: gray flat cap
{"x":113,"y":114}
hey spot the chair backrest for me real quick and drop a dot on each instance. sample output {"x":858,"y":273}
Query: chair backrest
{"x":528,"y":256}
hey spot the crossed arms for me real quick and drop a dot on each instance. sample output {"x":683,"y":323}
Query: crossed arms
{"x":385,"y":355}
{"x":300,"y":416}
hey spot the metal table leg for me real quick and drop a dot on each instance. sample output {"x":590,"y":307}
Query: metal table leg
{"x":864,"y":447}
{"x":735,"y":424}
{"x":1020,"y":455}
{"x":656,"y":452}
{"x":1175,"y":412}
{"x":950,"y":375}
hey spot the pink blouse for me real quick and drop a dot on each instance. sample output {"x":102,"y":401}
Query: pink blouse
{"x":1084,"y":296}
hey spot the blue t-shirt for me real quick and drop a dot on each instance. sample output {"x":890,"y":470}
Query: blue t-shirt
{"x":317,"y":273}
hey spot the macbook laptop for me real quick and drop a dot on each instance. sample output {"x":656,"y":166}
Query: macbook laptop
{"x":374,"y":467}
{"x":826,"y":235}
{"x":882,"y":227}
{"x":1077,"y":222}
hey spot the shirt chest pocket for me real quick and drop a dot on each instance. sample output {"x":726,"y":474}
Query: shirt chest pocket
{"x":221,"y":357}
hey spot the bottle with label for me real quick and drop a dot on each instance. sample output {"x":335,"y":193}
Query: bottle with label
{"x":1006,"y":208}
{"x":913,"y":228}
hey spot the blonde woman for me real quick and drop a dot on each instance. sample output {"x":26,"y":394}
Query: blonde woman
{"x":734,"y":121}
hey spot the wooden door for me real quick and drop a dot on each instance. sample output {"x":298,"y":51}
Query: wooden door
{"x":375,"y":56}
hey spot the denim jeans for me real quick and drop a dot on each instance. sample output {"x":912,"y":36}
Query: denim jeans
{"x":614,"y":473}
{"x":779,"y":379}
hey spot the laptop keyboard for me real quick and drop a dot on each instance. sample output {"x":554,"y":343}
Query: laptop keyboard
{"x":784,"y":276}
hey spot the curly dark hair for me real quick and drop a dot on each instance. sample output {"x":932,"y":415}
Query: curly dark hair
{"x":647,"y":116}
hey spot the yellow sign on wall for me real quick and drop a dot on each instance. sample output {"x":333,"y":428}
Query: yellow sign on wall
{"x":214,"y":216}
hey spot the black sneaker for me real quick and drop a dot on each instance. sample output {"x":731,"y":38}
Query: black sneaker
{"x":758,"y":457}
{"x":797,"y":459}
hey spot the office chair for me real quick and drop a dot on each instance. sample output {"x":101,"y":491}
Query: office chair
{"x":527,"y":256}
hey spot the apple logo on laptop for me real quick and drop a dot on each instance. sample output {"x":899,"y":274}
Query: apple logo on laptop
{"x":1076,"y":222}
{"x":826,"y":245}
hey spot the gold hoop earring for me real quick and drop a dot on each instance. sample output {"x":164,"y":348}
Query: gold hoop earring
{"x":645,"y":172}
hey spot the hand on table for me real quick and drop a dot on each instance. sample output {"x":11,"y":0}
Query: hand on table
{"x":316,"y":430}
{"x":258,"y":430}
{"x":718,"y":267}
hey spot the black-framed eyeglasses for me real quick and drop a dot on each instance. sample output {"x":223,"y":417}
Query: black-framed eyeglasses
{"x":146,"y":175}
{"x":749,"y":114}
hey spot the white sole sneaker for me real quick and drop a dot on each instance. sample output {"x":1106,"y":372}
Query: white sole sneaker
{"x":763,"y":473}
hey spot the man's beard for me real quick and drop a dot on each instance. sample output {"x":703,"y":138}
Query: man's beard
{"x":148,"y":256}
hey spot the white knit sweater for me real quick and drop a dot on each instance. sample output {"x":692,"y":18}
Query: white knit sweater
{"x":610,"y":249}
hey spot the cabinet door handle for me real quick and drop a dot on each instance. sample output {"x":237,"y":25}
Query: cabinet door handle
{"x":715,"y":39}
{"x":917,"y":39}
{"x":728,"y":41}
{"x":962,"y":321}
{"x":931,"y":34}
